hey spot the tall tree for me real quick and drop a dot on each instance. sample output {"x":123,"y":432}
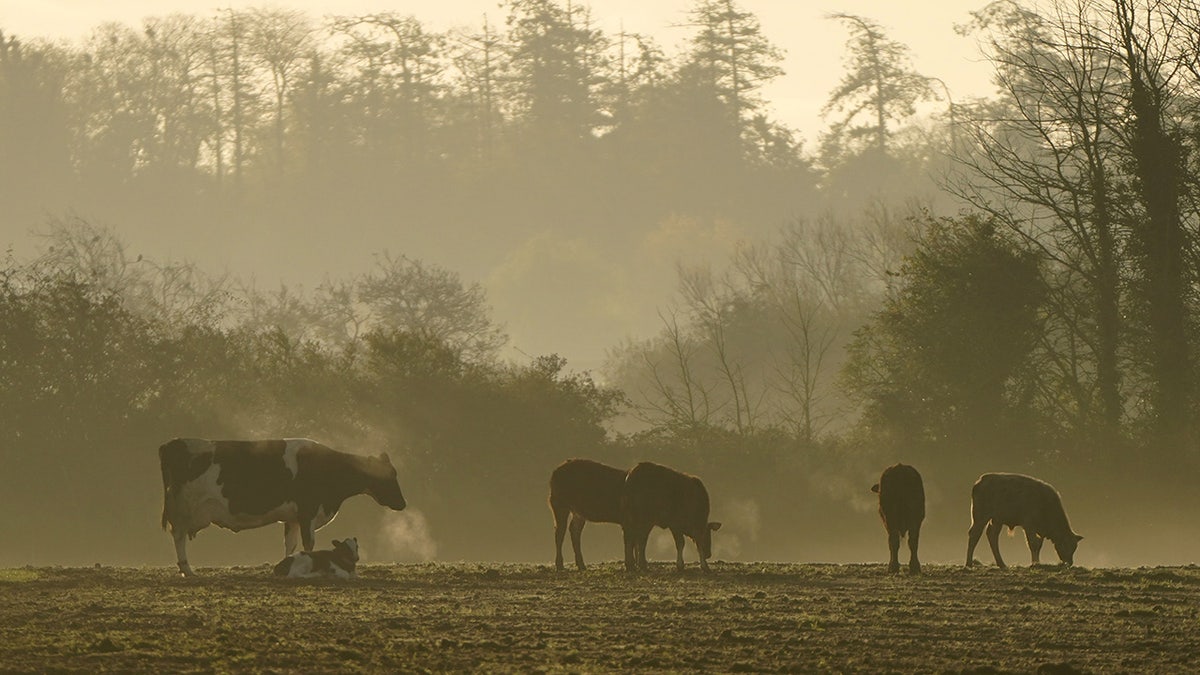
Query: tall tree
{"x":280,"y":40}
{"x":1046,"y":159}
{"x":401,"y":63}
{"x":35,"y":130}
{"x":880,"y":84}
{"x":1147,"y":44}
{"x":556,"y":63}
{"x":941,"y":363}
{"x":732,"y":53}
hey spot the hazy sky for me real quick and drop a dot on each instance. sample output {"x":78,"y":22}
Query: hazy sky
{"x":813,"y":44}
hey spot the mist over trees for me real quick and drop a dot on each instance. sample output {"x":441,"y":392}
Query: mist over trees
{"x":480,"y":146}
{"x":1006,"y":283}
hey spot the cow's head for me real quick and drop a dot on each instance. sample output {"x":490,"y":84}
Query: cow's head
{"x":1065,"y":547}
{"x":384,"y":486}
{"x":348,"y":547}
{"x":704,"y":539}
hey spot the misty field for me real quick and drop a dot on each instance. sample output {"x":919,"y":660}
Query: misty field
{"x":510,"y":617}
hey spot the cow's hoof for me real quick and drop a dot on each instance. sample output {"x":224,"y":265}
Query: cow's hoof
{"x":894,"y":568}
{"x":914,"y":569}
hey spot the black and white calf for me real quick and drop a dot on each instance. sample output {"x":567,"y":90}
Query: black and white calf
{"x":338,"y":563}
{"x":240,"y":485}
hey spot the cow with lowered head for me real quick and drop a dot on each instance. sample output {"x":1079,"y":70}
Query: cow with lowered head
{"x":902,"y":508}
{"x":1014,"y":500}
{"x":338,"y":563}
{"x":240,"y":485}
{"x":583,"y":490}
{"x":656,"y":495}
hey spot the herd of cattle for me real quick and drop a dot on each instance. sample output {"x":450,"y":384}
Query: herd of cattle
{"x":240,"y":485}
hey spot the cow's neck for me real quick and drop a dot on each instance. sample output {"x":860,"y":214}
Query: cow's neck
{"x":349,"y":475}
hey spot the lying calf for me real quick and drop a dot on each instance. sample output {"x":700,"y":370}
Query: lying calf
{"x":338,"y":563}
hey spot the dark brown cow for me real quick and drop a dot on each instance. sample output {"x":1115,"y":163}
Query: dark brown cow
{"x":338,"y":563}
{"x":583,"y":490}
{"x":1014,"y":500}
{"x":659,"y":496}
{"x":239,"y":485}
{"x":902,"y":508}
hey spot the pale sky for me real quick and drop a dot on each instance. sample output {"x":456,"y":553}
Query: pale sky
{"x":813,"y":45}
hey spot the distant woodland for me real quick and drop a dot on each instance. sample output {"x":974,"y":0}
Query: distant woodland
{"x":1007,"y":283}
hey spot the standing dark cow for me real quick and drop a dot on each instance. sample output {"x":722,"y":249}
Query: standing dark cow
{"x":1010,"y":499}
{"x":243,"y":484}
{"x":583,"y":490}
{"x":658,"y":496}
{"x":902,"y":508}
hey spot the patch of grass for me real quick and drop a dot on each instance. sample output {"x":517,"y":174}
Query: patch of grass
{"x":759,"y":617}
{"x":18,"y":575}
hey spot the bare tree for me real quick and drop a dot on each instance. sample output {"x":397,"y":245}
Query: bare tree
{"x":1042,"y":160}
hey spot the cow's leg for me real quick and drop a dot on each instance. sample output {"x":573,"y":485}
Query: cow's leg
{"x":914,"y":537}
{"x":679,"y":543}
{"x":1035,"y":545}
{"x":643,"y":542}
{"x":973,"y":536}
{"x":893,"y":551}
{"x":291,"y":537}
{"x":307,"y":536}
{"x":577,"y":523}
{"x":628,"y":532}
{"x":993,"y":535}
{"x":180,"y":537}
{"x":635,"y":547}
{"x":560,"y":533}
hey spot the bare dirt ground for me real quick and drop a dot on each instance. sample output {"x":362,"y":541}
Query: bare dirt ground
{"x":507,"y":617}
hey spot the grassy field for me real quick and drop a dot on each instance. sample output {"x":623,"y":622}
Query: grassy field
{"x":505,"y":617}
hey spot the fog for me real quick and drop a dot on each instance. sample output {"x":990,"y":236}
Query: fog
{"x":777,"y":247}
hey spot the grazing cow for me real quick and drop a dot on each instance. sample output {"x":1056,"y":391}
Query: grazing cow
{"x":339,"y":563}
{"x":243,"y":484}
{"x":658,"y":496}
{"x":902,"y":508}
{"x":1010,"y":499}
{"x":583,"y":490}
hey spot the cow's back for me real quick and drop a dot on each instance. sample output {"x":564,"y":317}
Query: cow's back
{"x":663,"y":497}
{"x":1016,"y":500}
{"x":901,"y":498}
{"x":590,"y":489}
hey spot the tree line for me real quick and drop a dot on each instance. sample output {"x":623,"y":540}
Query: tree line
{"x":1048,"y":322}
{"x":1043,"y":323}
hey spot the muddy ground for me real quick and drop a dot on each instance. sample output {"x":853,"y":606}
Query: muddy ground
{"x":507,"y":617}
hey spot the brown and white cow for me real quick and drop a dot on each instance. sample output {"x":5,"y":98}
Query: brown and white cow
{"x":338,"y":563}
{"x":240,"y":485}
{"x":1014,"y":500}
{"x":583,"y":490}
{"x":902,"y":508}
{"x":656,"y":495}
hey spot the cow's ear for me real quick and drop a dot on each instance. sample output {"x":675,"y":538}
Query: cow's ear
{"x":875,"y":487}
{"x":714,"y":526}
{"x":336,"y":543}
{"x":1079,"y":537}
